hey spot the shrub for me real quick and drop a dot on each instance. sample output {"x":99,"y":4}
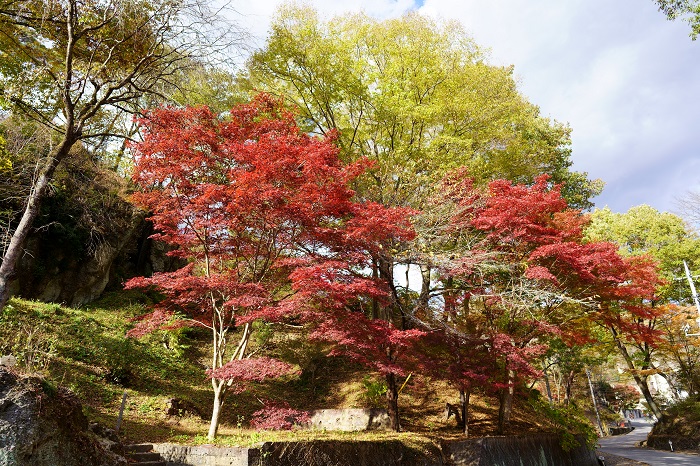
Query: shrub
{"x":375,"y":391}
{"x":278,"y":416}
{"x":568,"y":421}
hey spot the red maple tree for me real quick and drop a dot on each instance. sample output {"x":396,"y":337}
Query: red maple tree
{"x":527,"y":275}
{"x":265,"y":218}
{"x":375,"y":343}
{"x":462,"y":359}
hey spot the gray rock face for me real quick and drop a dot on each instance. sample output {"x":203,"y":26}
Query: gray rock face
{"x":44,"y":426}
{"x":55,"y":273}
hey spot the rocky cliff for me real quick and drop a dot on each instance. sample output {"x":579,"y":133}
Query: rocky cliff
{"x":87,"y":238}
{"x":44,"y":426}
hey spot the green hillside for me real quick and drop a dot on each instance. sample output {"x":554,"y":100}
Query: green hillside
{"x":87,"y":351}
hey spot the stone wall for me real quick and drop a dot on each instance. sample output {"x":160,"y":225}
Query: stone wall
{"x":526,"y":450}
{"x":620,"y":430}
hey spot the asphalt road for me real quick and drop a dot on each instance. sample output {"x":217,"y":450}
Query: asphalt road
{"x":625,"y":446}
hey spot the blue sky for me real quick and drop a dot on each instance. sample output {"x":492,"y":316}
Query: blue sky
{"x":625,"y":79}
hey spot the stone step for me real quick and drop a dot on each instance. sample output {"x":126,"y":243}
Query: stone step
{"x":138,"y":448}
{"x":142,"y":457}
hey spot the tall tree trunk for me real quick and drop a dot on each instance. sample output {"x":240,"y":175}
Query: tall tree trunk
{"x":449,"y":300}
{"x":424,"y":298}
{"x":644,"y":387}
{"x":385,"y":266}
{"x":375,"y":301}
{"x":8,"y":268}
{"x":595,"y":404}
{"x":505,"y":408}
{"x":464,"y":396}
{"x":568,"y":386}
{"x":392,"y":402}
{"x":641,"y":381}
{"x":219,"y":387}
{"x":548,"y":387}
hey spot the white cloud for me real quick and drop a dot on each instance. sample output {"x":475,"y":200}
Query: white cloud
{"x":618,"y":72}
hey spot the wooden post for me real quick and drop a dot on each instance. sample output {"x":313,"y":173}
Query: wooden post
{"x":121,"y":413}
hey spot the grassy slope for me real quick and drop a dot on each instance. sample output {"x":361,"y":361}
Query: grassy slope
{"x":87,"y":351}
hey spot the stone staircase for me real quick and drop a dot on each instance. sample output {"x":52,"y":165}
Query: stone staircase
{"x":143,"y":454}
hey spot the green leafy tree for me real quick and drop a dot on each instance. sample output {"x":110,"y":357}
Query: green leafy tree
{"x":681,"y":350}
{"x":75,"y":66}
{"x":5,"y":162}
{"x":663,"y":235}
{"x":203,"y":84}
{"x":689,"y":10}
{"x":565,"y":363}
{"x":643,"y":230}
{"x":416,"y":96}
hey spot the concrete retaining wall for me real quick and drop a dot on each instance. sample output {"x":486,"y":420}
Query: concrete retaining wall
{"x":348,"y":420}
{"x":521,"y":450}
{"x":182,"y":455}
{"x":346,"y":453}
{"x":526,"y":450}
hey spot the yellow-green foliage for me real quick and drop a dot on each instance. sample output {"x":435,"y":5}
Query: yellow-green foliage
{"x":662,"y":235}
{"x":413,"y":94}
